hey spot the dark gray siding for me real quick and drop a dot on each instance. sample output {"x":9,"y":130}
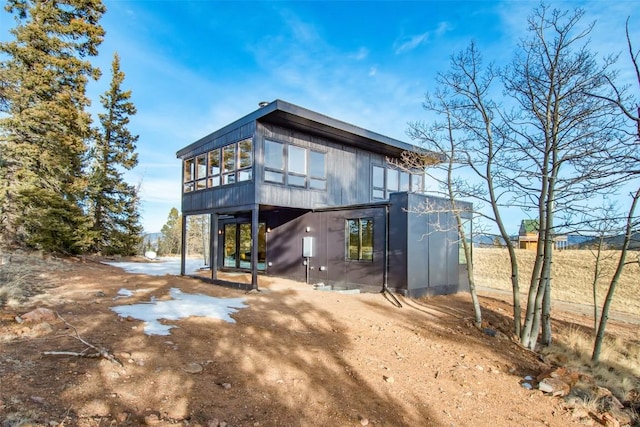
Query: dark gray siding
{"x":329,"y":265}
{"x":219,"y":197}
{"x":239,"y":194}
{"x":348,"y":172}
{"x":423,"y":247}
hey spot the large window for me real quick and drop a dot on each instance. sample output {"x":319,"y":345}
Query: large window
{"x":378,"y":182}
{"x":295,"y":166}
{"x":273,"y":161}
{"x":317,"y":170}
{"x":387,"y":180}
{"x":201,"y":172}
{"x":227,"y":165}
{"x":214,"y":168}
{"x":359,"y":239}
{"x":189,"y":174}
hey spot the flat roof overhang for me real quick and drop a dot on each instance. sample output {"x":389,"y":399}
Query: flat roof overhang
{"x":287,"y":115}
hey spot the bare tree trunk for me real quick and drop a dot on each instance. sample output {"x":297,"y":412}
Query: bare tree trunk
{"x":597,"y":347}
{"x":594,"y":284}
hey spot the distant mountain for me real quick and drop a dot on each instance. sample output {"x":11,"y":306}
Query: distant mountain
{"x":573,"y":240}
{"x":615,"y":242}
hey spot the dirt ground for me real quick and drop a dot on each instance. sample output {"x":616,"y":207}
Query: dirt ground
{"x":294,"y":357}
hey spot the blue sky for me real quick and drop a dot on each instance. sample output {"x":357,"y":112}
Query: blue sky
{"x":195,"y":66}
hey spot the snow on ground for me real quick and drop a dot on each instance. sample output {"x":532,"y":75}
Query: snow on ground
{"x":160,"y":267}
{"x":181,"y":306}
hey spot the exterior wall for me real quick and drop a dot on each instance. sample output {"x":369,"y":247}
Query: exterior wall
{"x":329,"y":265}
{"x":238,"y":194}
{"x":423,"y":248}
{"x":348,"y":172}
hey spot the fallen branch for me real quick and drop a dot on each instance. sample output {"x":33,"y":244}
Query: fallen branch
{"x":98,"y":351}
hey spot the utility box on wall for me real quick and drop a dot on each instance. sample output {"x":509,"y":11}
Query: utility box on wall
{"x":307,"y":247}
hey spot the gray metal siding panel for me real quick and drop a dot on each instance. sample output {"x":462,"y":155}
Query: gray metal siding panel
{"x":398,"y":245}
{"x":348,"y":172}
{"x":284,"y":248}
{"x":226,"y":196}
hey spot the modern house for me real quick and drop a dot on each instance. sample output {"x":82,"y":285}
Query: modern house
{"x":326,"y":202}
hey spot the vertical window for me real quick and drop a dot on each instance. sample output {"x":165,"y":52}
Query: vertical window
{"x":214,"y":168}
{"x":359,"y":239}
{"x":229,"y":164}
{"x":297,"y":166}
{"x":417,"y":183}
{"x":274,"y":161}
{"x":378,"y":182}
{"x":201,"y":172}
{"x":393,"y":181}
{"x":189,"y":175}
{"x":245,"y":160}
{"x":405,"y":181}
{"x":317,"y":171}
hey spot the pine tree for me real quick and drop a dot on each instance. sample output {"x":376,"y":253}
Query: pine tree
{"x":169,"y":243}
{"x":113,"y":204}
{"x":44,"y":124}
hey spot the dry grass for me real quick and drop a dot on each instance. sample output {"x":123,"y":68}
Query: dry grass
{"x":619,"y":367}
{"x":23,"y":276}
{"x":572,"y":272}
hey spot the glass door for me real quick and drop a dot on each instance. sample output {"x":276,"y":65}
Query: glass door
{"x":230,"y":245}
{"x":237,"y":246}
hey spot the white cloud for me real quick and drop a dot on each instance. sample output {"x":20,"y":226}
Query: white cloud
{"x":361,"y":54}
{"x":406,"y":44}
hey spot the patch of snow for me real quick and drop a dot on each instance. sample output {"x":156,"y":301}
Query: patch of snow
{"x":181,"y":306}
{"x":123,"y":293}
{"x":160,"y":267}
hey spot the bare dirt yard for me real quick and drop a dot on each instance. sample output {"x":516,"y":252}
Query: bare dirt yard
{"x":294,"y":357}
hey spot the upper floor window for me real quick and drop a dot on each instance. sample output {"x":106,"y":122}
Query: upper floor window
{"x":317,"y":170}
{"x":189,"y":174}
{"x":386,"y":180}
{"x":295,"y":166}
{"x":226,"y":165}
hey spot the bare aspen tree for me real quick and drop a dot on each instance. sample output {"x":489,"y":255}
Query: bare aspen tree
{"x":565,"y":147}
{"x":473,"y":139}
{"x":439,"y":139}
{"x":629,"y":106}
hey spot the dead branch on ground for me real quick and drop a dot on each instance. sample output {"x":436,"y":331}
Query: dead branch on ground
{"x":97,"y":351}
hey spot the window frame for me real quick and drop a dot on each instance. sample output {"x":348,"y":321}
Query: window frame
{"x":285,"y":174}
{"x":361,"y":256}
{"x":199,"y":173}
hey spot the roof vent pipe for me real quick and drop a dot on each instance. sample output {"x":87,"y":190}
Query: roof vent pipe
{"x":262,"y":104}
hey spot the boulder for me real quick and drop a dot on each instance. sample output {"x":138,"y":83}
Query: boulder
{"x":40,"y":315}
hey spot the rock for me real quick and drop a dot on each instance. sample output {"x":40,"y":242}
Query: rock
{"x":37,"y":399}
{"x":193,"y":368}
{"x":489,"y":331}
{"x":526,"y":385}
{"x":226,"y":386}
{"x":152,"y":419}
{"x":40,"y":315}
{"x":611,"y":402}
{"x":388,"y":379}
{"x":609,"y":420}
{"x":100,"y":294}
{"x":364,"y":422}
{"x":554,"y":386}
